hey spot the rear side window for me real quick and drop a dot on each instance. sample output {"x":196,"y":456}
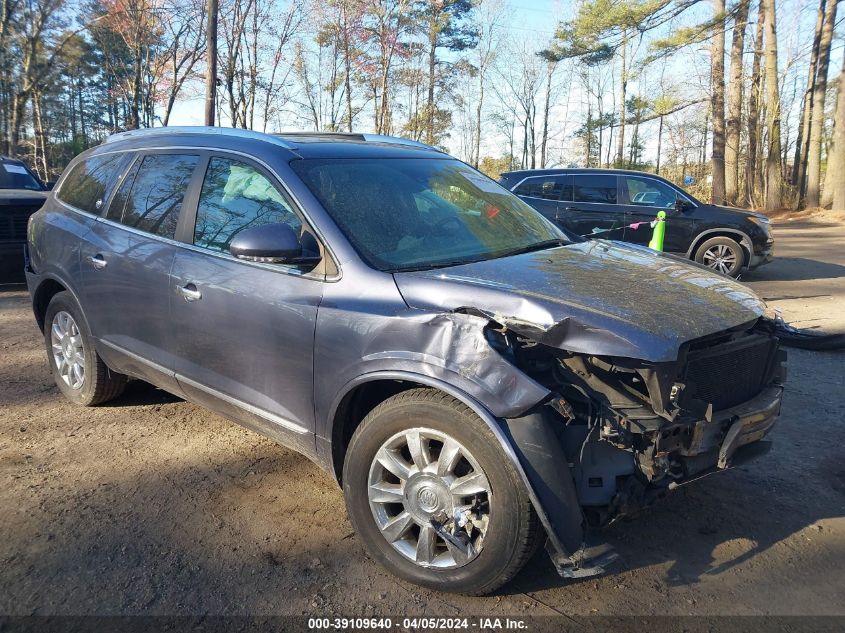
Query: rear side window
{"x":87,"y":184}
{"x":236,"y":196}
{"x":599,"y":188}
{"x":151,"y":195}
{"x":548,"y":188}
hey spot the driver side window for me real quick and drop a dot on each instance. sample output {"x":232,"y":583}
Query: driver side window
{"x":236,"y":196}
{"x":645,"y":192}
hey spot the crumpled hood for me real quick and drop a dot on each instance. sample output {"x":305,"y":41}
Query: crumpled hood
{"x":596,"y":297}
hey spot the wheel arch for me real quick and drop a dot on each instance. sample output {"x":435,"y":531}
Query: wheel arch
{"x":735,"y":234}
{"x":47,"y":288}
{"x":364,"y":393}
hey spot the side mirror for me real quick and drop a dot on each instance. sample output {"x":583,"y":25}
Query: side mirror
{"x":682,"y":205}
{"x":270,"y":243}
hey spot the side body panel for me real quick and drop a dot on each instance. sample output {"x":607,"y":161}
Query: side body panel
{"x":249,"y":337}
{"x":127,"y":302}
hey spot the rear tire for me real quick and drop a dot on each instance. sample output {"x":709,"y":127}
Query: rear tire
{"x":79,"y":372}
{"x":451,"y":465}
{"x":722,"y":254}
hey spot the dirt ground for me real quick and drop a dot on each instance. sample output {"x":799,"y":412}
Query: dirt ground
{"x":152,"y":505}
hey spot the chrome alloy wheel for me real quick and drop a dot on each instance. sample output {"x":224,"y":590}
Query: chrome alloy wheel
{"x":68,"y":353}
{"x":720,"y":257}
{"x":430,"y":498}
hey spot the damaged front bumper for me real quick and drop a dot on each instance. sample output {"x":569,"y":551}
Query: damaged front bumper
{"x":629,"y":432}
{"x":714,"y":443}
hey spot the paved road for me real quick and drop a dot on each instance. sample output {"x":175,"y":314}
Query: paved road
{"x":807,"y":279}
{"x":152,"y":505}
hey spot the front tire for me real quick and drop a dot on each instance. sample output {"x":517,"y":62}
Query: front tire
{"x":433,"y":497}
{"x":79,"y":372}
{"x":722,"y":254}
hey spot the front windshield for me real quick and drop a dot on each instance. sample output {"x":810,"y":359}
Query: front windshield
{"x":16,"y":176}
{"x":417,"y":213}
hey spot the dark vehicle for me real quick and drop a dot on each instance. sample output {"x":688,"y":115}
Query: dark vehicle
{"x":618,"y":205}
{"x":21,"y":195}
{"x":473,"y":379}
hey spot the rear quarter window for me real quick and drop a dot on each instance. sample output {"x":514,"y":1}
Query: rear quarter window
{"x":150,"y":198}
{"x":88,"y":182}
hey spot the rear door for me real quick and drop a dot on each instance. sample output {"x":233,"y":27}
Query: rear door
{"x":244,"y":331}
{"x":643,"y":198}
{"x":546,"y":193}
{"x":594,"y":210}
{"x":126,"y":264}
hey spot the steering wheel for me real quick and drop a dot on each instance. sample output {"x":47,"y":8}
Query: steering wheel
{"x":441,"y":225}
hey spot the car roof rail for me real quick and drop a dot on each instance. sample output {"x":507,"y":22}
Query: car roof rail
{"x":280,"y":138}
{"x":358,"y":136}
{"x":397,"y":140}
{"x":197,"y":129}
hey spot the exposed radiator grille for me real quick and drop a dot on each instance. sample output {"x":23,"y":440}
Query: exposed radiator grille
{"x":730,"y":374}
{"x":13,"y":223}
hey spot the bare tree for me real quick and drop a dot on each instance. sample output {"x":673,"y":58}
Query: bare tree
{"x":799,"y":165}
{"x":814,"y":144}
{"x":717,"y":103}
{"x":774,"y":171}
{"x":753,"y":181}
{"x":185,"y":43}
{"x":733,"y":123}
{"x":835,"y":177}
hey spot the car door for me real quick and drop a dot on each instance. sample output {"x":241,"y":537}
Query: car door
{"x":244,"y":331}
{"x":545,"y":193}
{"x":594,"y":210}
{"x":644,"y":197}
{"x":126,"y":262}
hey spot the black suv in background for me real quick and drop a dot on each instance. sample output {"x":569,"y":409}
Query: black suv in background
{"x":590,"y":201}
{"x":21,"y":195}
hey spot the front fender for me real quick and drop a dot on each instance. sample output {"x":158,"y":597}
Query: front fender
{"x":743,"y":238}
{"x":531,"y":445}
{"x":449,"y":348}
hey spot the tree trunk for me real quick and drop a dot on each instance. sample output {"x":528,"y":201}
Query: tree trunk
{"x":623,"y":86}
{"x":799,"y":164}
{"x":835,"y":179}
{"x":81,"y":114}
{"x":814,"y":144}
{"x":432,"y":65}
{"x":659,"y":146}
{"x":774,"y":171}
{"x":211,"y":63}
{"x":752,"y":173}
{"x":40,"y":136}
{"x":717,"y":105}
{"x":347,"y":66}
{"x":734,"y":119}
{"x":546,"y":109}
{"x":478,"y":109}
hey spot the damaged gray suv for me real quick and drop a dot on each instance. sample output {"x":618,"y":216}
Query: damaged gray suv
{"x":476,"y":380}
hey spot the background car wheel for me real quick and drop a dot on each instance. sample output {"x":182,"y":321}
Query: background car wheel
{"x":79,"y":372}
{"x":721,"y":254}
{"x":434,"y":498}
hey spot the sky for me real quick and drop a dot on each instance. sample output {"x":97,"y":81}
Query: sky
{"x":534,"y":17}
{"x":686,"y":73}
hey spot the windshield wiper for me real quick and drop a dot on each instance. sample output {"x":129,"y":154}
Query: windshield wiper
{"x":431,"y":265}
{"x":537,"y":246}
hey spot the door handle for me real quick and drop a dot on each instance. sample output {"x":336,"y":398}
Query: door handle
{"x":97,"y":261}
{"x":190,"y":292}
